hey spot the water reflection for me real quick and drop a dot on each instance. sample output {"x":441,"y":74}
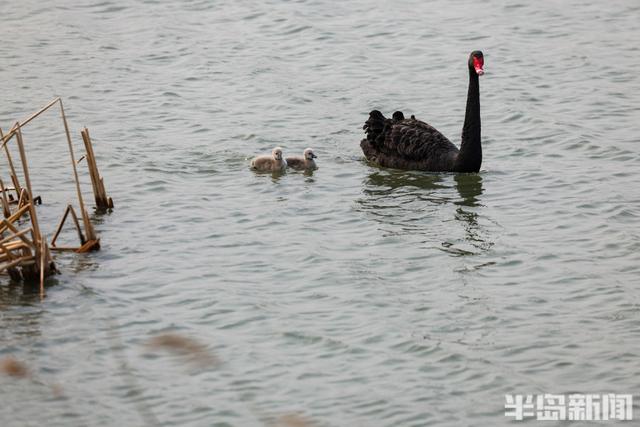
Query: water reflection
{"x":77,"y":263}
{"x":20,"y":312}
{"x":469,"y":187}
{"x":392,"y":179}
{"x":409,"y":202}
{"x":275,"y":175}
{"x":18,"y":294}
{"x":387,"y":185}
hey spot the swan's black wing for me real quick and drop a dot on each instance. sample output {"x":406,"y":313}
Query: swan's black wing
{"x":408,"y":139}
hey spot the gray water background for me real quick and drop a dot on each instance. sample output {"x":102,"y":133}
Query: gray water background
{"x":355,"y":296}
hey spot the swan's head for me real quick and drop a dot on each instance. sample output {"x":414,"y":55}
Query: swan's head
{"x":277,"y":153}
{"x":476,"y":61}
{"x":309,"y":155}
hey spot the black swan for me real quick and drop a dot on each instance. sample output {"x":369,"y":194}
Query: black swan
{"x":413,"y":144}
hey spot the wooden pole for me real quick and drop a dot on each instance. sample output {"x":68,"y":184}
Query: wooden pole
{"x":28,"y":257}
{"x":14,"y":216}
{"x":14,"y":175}
{"x":90,"y":166}
{"x":59,"y":229}
{"x":7,"y":252}
{"x":102,"y":201}
{"x":62,"y":221}
{"x":83,"y":239}
{"x":22,"y":198}
{"x":25,"y":167}
{"x":23,"y":158}
{"x":18,"y":234}
{"x":43,"y":254}
{"x":22,"y":261}
{"x":5,"y":202}
{"x":85,"y":217}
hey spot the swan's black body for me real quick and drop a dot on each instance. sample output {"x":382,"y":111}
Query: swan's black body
{"x":413,"y":144}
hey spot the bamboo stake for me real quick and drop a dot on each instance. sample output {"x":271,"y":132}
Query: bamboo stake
{"x":14,"y":175}
{"x":22,"y":261}
{"x":83,"y":239}
{"x":6,"y":138}
{"x":17,"y":214}
{"x":89,"y":246}
{"x":21,"y":199}
{"x":15,"y":245}
{"x":90,"y":232}
{"x":6,"y":210}
{"x":89,"y":157}
{"x":17,"y":233}
{"x":34,"y":221}
{"x":13,"y":218}
{"x":85,"y":216}
{"x":68,"y":210}
{"x":7,"y":251}
{"x":23,"y":157}
{"x":32,"y":253}
{"x":32,"y":211}
{"x":102,"y":200}
{"x":16,"y":184}
{"x":42,"y":256}
{"x":59,"y":229}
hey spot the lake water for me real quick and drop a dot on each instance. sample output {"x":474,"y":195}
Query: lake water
{"x":353,"y":296}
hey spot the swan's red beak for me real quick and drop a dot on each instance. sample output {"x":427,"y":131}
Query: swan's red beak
{"x":478,"y":65}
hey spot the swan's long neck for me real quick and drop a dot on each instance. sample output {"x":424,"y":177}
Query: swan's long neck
{"x":470,"y":156}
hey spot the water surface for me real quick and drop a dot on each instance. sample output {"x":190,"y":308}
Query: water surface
{"x":355,"y":296}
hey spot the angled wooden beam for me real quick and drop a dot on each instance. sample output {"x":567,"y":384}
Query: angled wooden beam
{"x":15,"y":236}
{"x":91,"y":245}
{"x":68,"y":210}
{"x":17,"y":233}
{"x":13,"y":130}
{"x":14,"y":175}
{"x":6,"y":209}
{"x":13,"y":218}
{"x":22,"y":261}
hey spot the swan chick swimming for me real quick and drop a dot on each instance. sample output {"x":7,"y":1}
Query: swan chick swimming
{"x":306,"y":162}
{"x":274,"y":162}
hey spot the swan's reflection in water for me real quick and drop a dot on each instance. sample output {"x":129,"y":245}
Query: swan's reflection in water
{"x":415,"y":204}
{"x":469,"y":186}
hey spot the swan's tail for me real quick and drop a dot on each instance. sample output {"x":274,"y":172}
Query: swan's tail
{"x":374,"y":126}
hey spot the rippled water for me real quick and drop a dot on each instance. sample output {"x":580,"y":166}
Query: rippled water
{"x":355,"y":296}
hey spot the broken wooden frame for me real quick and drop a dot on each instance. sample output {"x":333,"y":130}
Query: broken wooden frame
{"x":27,"y":258}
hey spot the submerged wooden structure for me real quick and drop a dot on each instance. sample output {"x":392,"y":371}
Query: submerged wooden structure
{"x":25,"y":252}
